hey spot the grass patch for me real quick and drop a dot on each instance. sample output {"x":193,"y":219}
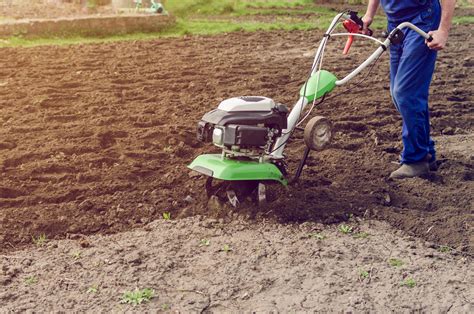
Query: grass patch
{"x":137,"y":297}
{"x":226,"y":248}
{"x":204,"y":242}
{"x":5,"y":18}
{"x":217,"y":26}
{"x":40,"y":240}
{"x":211,"y":17}
{"x":278,"y":11}
{"x":465,"y":3}
{"x":410,"y":283}
{"x":361,"y":235}
{"x":31,"y":280}
{"x":207,"y":7}
{"x":183,"y":27}
{"x":346,"y":229}
{"x":92,"y":289}
{"x":76,"y":255}
{"x":394,"y":262}
{"x":277,"y":4}
{"x":317,"y":236}
{"x":184,"y":8}
{"x":363,"y":274}
{"x":466,"y":20}
{"x":445,"y":249}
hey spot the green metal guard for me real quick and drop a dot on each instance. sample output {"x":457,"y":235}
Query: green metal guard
{"x":213,"y":165}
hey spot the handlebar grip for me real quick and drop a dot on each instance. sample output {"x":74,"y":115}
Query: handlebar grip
{"x":356,"y":19}
{"x":353,"y":15}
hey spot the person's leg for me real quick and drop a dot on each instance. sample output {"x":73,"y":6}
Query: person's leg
{"x":411,"y":89}
{"x":436,"y":18}
{"x":395,"y":55}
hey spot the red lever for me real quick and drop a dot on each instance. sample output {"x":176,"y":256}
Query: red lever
{"x":351,"y":27}
{"x":349,"y":42}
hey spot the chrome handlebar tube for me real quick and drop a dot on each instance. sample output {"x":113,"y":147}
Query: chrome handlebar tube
{"x":383,"y":46}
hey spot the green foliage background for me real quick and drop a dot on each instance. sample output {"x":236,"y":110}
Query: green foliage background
{"x":209,"y":17}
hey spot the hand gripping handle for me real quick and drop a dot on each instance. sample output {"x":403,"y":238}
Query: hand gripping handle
{"x":353,"y":25}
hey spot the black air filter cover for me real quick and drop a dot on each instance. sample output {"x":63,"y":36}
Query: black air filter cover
{"x":245,"y":136}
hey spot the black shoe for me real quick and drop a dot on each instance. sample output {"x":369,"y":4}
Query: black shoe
{"x":432,"y":164}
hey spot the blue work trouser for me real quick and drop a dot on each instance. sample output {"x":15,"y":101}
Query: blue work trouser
{"x":412,"y":65}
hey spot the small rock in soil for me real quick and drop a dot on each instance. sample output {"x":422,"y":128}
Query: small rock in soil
{"x":134,"y":258}
{"x":84,"y":243}
{"x":86,"y":205}
{"x":189,"y":199}
{"x":448,"y":131}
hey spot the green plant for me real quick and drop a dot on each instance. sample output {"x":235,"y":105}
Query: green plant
{"x":76,"y":254}
{"x":445,"y":249}
{"x":204,"y":242}
{"x":31,"y":280}
{"x":361,"y":235}
{"x":346,"y":229}
{"x":410,"y":283}
{"x":91,"y":4}
{"x":165,"y":307}
{"x":394,"y":262}
{"x":138,"y":296}
{"x":40,"y":240}
{"x":317,"y":236}
{"x":166,"y":215}
{"x":226,"y":248}
{"x":363,"y":274}
{"x":92,"y":289}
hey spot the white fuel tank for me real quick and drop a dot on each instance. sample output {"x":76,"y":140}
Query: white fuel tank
{"x":247,"y":103}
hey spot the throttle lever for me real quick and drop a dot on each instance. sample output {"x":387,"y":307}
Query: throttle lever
{"x":354,"y":17}
{"x":353,"y":25}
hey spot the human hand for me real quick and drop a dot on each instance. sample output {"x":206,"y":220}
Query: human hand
{"x":440,"y":38}
{"x":367,"y":21}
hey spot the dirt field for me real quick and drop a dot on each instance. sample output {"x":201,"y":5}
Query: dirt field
{"x":96,"y":139}
{"x":267,"y":267}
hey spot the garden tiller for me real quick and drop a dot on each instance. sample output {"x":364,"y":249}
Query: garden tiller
{"x":252,"y":131}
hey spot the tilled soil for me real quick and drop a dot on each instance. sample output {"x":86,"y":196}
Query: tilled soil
{"x":199,"y":265}
{"x":96,"y":138}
